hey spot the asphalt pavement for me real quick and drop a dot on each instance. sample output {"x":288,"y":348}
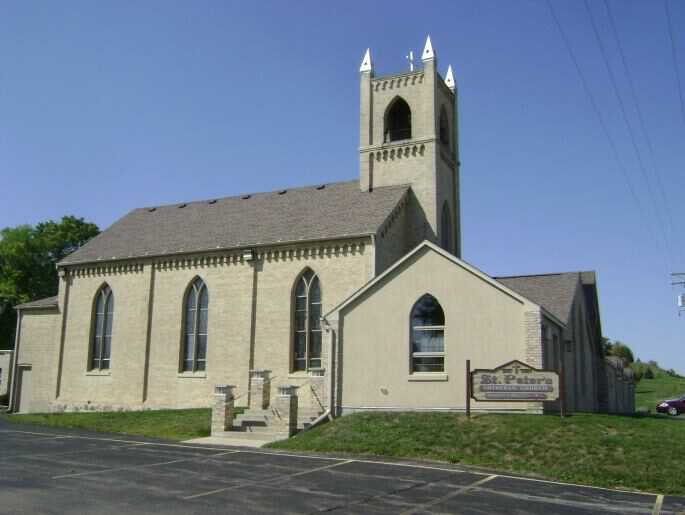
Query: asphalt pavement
{"x":46,"y":471}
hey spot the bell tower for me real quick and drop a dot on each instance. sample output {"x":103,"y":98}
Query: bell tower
{"x":408,"y":134}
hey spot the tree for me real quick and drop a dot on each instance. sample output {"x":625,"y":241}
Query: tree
{"x":619,"y":349}
{"x":27,"y":264}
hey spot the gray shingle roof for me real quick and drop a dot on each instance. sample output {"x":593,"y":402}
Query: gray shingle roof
{"x":311,"y":213}
{"x":47,"y":302}
{"x":554,"y":292}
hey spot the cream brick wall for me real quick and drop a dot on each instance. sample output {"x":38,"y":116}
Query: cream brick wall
{"x":121,"y":385}
{"x":146,"y":336}
{"x":39,"y":339}
{"x":429,"y":166}
{"x":5,"y":374}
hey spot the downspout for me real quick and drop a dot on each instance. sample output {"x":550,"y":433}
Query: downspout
{"x":15,"y":362}
{"x":373,"y":257}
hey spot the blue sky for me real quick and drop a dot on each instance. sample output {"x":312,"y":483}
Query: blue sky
{"x":107,"y":106}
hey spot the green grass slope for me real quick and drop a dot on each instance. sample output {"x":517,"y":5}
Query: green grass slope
{"x":602,"y":450}
{"x":649,"y":392}
{"x":168,"y":424}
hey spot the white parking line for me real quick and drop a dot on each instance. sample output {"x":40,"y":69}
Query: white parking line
{"x":658,"y":504}
{"x":331,"y":458}
{"x":273,"y":480}
{"x":590,"y":504}
{"x":93,"y":472}
{"x":119,"y":440}
{"x":458,"y":491}
{"x":57,"y":454}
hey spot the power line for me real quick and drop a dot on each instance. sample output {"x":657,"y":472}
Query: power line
{"x":631,"y":133}
{"x":643,"y":126}
{"x":675,"y":59}
{"x":598,"y":113}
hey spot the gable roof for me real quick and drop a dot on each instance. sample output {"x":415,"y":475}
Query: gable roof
{"x":450,"y":257}
{"x":47,"y":302}
{"x":331,"y":211}
{"x":555,"y":292}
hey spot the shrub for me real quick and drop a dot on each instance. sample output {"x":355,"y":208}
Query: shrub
{"x":648,"y":373}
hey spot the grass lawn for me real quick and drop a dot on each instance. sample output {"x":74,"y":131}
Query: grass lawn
{"x":168,"y":424}
{"x":648,"y":392}
{"x":602,"y":450}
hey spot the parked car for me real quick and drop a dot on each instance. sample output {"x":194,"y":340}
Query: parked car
{"x":673,"y":407}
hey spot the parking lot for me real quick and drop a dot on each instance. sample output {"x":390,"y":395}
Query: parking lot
{"x":63,"y":472}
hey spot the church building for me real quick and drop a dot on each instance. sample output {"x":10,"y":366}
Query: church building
{"x":355,"y":292}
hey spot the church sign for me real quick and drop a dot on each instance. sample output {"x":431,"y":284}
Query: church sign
{"x":514,"y":381}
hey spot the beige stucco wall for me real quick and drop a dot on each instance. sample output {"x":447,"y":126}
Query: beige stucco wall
{"x":483,"y":323}
{"x":146,"y":336}
{"x":39,"y":336}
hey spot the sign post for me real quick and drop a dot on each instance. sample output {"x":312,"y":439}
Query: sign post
{"x":468,"y":388}
{"x":562,"y":387}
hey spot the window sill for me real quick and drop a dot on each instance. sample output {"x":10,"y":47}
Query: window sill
{"x":428,"y":376}
{"x":99,"y":373}
{"x":303,"y":375}
{"x":192,"y":375}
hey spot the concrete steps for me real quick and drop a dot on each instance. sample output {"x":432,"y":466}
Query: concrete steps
{"x":255,"y":420}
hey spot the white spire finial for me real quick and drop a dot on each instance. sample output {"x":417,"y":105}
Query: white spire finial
{"x":449,"y":78}
{"x":366,"y":62}
{"x":428,"y":50}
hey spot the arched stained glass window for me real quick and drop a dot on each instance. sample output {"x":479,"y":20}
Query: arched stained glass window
{"x":101,"y":341}
{"x":195,"y":314}
{"x":427,"y":336}
{"x":306,"y":323}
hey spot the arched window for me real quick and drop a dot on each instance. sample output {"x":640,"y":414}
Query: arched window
{"x":307,"y":324}
{"x":101,"y":340}
{"x":427,"y":336}
{"x":397,"y":121}
{"x":446,"y":228}
{"x":444,"y":127}
{"x":195,"y":311}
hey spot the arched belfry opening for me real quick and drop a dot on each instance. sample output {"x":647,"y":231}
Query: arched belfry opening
{"x":397,"y":121}
{"x":444,"y":127}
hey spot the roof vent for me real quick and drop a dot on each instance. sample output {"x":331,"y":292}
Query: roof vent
{"x":182,"y":206}
{"x":245,"y":197}
{"x":151,"y":209}
{"x":283,"y":192}
{"x":213,"y":201}
{"x":321,"y":186}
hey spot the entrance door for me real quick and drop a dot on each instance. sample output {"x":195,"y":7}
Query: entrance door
{"x":23,"y":403}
